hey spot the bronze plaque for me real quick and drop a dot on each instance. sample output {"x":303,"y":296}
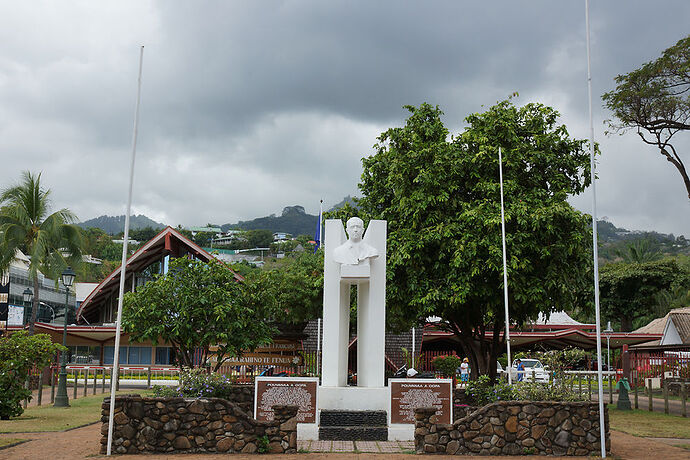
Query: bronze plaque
{"x":410,"y":394}
{"x":289,"y":391}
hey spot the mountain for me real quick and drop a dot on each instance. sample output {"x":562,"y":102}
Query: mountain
{"x":293,"y":220}
{"x":613,"y":239}
{"x":116,"y":224}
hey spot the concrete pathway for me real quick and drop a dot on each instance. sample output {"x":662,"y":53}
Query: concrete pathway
{"x":377,"y":447}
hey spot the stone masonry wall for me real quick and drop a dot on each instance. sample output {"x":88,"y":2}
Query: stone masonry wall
{"x":179,"y":425}
{"x":515,"y":428}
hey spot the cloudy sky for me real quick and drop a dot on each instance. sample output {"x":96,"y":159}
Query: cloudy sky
{"x":251,"y":106}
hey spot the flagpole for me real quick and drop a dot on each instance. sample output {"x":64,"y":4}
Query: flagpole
{"x":600,"y":378}
{"x":123,"y":266}
{"x":505,"y":268}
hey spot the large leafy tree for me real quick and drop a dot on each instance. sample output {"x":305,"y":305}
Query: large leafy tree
{"x":294,"y":288}
{"x":630,"y":291}
{"x":440,"y":196}
{"x":50,"y":240}
{"x":199,"y":305}
{"x":655,"y":101}
{"x":19,"y":352}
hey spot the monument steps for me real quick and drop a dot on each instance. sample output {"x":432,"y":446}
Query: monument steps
{"x":340,"y":425}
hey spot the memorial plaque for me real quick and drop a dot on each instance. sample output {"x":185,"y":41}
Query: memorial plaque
{"x":410,"y":394}
{"x":288,"y":391}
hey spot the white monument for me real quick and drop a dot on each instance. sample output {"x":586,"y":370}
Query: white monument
{"x":361,"y":261}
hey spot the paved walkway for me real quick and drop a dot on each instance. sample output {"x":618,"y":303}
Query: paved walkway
{"x":83,"y":443}
{"x":374,"y":447}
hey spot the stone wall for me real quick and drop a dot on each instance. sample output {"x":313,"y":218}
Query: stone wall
{"x":515,"y":428}
{"x":179,"y":425}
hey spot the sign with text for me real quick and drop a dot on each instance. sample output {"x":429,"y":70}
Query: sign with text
{"x":279,"y":346}
{"x":15,"y":316}
{"x":410,"y":394}
{"x":288,"y":391}
{"x":263,"y":359}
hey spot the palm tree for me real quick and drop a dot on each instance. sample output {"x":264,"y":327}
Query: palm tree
{"x":639,"y":251}
{"x":50,"y":241}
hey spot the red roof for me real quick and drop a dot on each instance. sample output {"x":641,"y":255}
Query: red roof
{"x":168,"y":241}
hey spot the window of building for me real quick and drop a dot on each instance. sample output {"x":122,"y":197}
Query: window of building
{"x":165,"y":355}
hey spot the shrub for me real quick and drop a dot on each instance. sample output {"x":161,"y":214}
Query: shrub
{"x":196,"y":383}
{"x":482,"y":391}
{"x":535,"y":391}
{"x":18,"y":354}
{"x":447,"y":365}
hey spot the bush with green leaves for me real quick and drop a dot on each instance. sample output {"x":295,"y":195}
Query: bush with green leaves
{"x":482,"y":391}
{"x":197,"y":383}
{"x":20,"y":352}
{"x":536,"y":391}
{"x":447,"y":365}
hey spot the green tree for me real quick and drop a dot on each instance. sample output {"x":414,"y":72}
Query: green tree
{"x":294,"y":287}
{"x":50,"y":240}
{"x":198,"y":305}
{"x":259,"y":238}
{"x":441,"y":199}
{"x":655,"y":101}
{"x":639,"y":251}
{"x":19,"y":352}
{"x":629,"y":290}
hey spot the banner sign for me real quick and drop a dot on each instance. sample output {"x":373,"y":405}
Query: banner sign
{"x":410,"y":394}
{"x":262,"y":359}
{"x":15,"y":316}
{"x":289,"y":391}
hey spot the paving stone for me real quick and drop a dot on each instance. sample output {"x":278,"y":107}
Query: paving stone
{"x":343,"y":446}
{"x":321,"y":446}
{"x":367,"y":446}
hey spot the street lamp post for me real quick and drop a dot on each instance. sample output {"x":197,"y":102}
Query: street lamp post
{"x":28,"y":296}
{"x":608,"y":331}
{"x":61,"y":399}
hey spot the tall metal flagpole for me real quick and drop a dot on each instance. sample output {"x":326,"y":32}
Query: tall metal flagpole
{"x":123,"y":266}
{"x":600,"y":378}
{"x":505,"y":268}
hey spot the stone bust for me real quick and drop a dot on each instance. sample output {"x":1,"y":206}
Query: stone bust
{"x":354,"y":251}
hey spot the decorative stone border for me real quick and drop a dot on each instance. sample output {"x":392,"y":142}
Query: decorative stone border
{"x":179,"y":425}
{"x":515,"y":428}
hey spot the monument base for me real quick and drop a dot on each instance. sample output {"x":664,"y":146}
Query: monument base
{"x":400,"y":432}
{"x":353,"y":398}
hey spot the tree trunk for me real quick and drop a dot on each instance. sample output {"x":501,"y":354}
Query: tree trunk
{"x":626,"y":324}
{"x":34,"y":307}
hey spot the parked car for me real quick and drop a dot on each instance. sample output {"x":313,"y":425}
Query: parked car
{"x":534,"y":371}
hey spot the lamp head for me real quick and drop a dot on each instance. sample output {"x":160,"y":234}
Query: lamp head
{"x":68,"y":277}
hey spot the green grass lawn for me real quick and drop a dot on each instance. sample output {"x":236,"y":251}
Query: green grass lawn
{"x":83,"y":411}
{"x":8,"y":441}
{"x":649,"y":424}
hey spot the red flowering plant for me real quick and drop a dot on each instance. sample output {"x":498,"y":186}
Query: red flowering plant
{"x":447,"y":365}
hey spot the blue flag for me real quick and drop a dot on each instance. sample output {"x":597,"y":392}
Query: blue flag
{"x":317,"y":234}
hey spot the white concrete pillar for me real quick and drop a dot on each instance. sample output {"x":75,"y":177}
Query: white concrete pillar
{"x":371,"y":314}
{"x":334,"y":373}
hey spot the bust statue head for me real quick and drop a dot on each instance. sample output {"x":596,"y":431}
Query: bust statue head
{"x":355,"y":229}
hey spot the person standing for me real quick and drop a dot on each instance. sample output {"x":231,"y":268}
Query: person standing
{"x":520,"y":371}
{"x":464,"y":370}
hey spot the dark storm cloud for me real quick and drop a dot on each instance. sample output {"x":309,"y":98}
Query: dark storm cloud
{"x":251,"y":106}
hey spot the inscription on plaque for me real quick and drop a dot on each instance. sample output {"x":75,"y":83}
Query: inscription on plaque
{"x":410,"y":394}
{"x":287,"y":391}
